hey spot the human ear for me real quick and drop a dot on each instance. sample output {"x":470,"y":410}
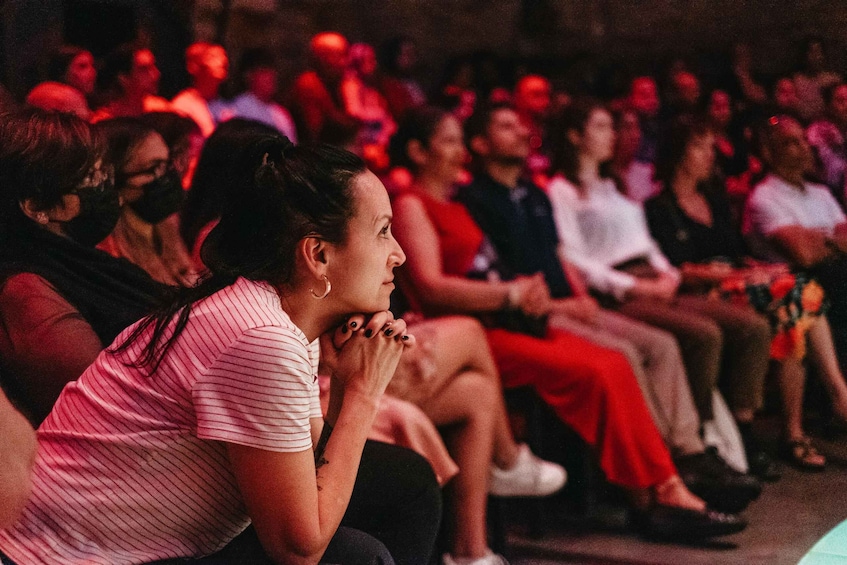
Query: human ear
{"x":479,"y":145}
{"x":767,"y":154}
{"x":574,"y":137}
{"x":314,"y":252}
{"x":33,"y":212}
{"x":58,"y":213}
{"x":416,"y":152}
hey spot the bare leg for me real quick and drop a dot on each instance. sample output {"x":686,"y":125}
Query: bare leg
{"x":672,"y":492}
{"x":822,"y":354}
{"x":465,"y":410}
{"x":744,"y":415}
{"x":462,"y":346}
{"x":792,"y":380}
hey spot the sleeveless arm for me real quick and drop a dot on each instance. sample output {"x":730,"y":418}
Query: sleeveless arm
{"x":419,"y":240}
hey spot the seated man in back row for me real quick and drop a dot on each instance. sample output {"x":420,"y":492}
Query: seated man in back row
{"x":791,"y":219}
{"x":517,"y":218}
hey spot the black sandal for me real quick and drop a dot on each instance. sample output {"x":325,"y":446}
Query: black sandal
{"x":803,"y":455}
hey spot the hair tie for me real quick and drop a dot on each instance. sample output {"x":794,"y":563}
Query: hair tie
{"x":284,"y":146}
{"x":275,"y":154}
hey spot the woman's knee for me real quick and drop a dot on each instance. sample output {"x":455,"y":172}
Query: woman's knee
{"x":482,"y":393}
{"x":465,"y":326}
{"x":469,"y":333}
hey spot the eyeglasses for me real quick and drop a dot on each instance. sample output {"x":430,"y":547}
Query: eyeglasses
{"x":157,"y":169}
{"x":96,"y":179}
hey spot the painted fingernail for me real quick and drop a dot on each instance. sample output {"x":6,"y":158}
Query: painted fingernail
{"x":353,"y":324}
{"x":369,"y":332}
{"x":388,"y":332}
{"x":344,"y":329}
{"x":405,"y":338}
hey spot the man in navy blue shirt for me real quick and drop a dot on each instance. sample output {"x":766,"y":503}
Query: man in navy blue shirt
{"x":517,"y":217}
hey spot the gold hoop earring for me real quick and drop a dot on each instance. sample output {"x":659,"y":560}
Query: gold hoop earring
{"x":326,"y":290}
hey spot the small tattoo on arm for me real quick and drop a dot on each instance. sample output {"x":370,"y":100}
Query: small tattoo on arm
{"x":320,"y":463}
{"x":321,"y":446}
{"x":320,"y":460}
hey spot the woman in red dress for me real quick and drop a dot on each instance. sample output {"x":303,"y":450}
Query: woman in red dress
{"x":592,"y":389}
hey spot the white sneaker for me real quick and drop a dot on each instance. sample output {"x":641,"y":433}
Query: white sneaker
{"x":529,"y":476}
{"x":490,"y":558}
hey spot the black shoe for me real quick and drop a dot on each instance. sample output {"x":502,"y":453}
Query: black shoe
{"x":763,"y":466}
{"x":672,"y":523}
{"x":722,"y":487}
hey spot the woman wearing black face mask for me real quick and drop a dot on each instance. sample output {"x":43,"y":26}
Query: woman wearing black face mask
{"x":151,"y":189}
{"x":61,"y":299}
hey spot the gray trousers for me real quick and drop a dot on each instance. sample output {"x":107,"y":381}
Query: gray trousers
{"x":656,"y":360}
{"x":716,"y":339}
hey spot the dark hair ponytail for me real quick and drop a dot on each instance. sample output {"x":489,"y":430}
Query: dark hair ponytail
{"x":281,"y":194}
{"x":216,"y":172}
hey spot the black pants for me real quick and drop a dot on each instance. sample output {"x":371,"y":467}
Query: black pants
{"x":394,"y":512}
{"x":348,"y":547}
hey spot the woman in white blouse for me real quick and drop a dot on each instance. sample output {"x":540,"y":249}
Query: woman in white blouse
{"x":605,"y":235}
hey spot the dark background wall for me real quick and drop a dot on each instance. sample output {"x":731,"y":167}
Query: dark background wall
{"x":565,"y":37}
{"x":579,"y":41}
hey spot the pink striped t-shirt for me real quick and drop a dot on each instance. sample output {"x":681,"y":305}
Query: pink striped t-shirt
{"x":133,"y":468}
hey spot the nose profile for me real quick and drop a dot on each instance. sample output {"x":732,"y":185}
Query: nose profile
{"x":399,"y":255}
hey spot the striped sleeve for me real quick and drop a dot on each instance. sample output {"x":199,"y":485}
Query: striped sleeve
{"x":314,"y":357}
{"x":258,"y":393}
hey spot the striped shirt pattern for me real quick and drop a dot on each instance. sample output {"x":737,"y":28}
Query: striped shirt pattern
{"x":132,"y":468}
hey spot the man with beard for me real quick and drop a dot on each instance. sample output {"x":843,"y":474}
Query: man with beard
{"x":517,"y":218}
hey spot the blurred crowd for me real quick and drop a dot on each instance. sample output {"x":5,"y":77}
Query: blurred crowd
{"x":648,"y":264}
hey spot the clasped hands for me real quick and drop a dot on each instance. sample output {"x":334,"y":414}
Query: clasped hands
{"x":362,"y":353}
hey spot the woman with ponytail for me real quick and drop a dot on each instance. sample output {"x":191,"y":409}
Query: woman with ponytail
{"x":199,"y":430}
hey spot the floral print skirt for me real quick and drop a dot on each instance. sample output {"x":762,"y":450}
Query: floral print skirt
{"x":791,"y":302}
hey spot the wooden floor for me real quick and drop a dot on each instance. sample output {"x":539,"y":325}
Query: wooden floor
{"x":790,"y":516}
